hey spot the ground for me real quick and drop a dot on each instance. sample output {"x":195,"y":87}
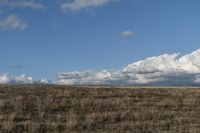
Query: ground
{"x":46,"y":108}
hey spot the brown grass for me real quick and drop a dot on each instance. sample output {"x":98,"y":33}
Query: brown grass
{"x":42,"y":109}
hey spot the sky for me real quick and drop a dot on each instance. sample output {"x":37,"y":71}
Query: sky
{"x":131,"y":42}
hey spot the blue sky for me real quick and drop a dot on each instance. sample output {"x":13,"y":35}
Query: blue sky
{"x":49,"y":39}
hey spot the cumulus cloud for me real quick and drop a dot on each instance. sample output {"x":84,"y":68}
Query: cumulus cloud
{"x":44,"y":81}
{"x":163,"y":70}
{"x":77,"y":5}
{"x":21,"y":79}
{"x":127,"y":34}
{"x":12,"y":22}
{"x":21,"y":4}
{"x":83,"y":77}
{"x":166,"y":69}
{"x":5,"y":79}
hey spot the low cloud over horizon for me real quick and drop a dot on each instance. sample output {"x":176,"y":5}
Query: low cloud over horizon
{"x":22,"y":79}
{"x":163,"y":70}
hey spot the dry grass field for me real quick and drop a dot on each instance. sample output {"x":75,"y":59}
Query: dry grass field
{"x":52,"y":109}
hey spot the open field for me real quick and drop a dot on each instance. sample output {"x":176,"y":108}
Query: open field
{"x":41,"y":109}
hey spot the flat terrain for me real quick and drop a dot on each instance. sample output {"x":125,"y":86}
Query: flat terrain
{"x":42,"y":109}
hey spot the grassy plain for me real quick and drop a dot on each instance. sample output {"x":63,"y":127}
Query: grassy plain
{"x":43,"y":109}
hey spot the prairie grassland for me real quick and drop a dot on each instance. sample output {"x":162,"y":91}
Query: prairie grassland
{"x":43,"y":109}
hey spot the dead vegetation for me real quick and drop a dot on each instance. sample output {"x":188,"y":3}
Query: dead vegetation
{"x":42,"y":109}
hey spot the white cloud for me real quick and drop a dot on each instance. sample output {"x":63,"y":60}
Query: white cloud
{"x":12,"y":22}
{"x":84,"y":77}
{"x":5,"y":79}
{"x":166,"y":69}
{"x":44,"y":81}
{"x":28,"y":4}
{"x":21,"y":79}
{"x":78,"y":5}
{"x":127,"y":33}
{"x":22,"y":4}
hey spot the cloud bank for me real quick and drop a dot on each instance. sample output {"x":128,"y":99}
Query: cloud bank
{"x":78,"y":5}
{"x":166,"y":69}
{"x":163,"y":70}
{"x":12,"y":22}
{"x":22,"y":79}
